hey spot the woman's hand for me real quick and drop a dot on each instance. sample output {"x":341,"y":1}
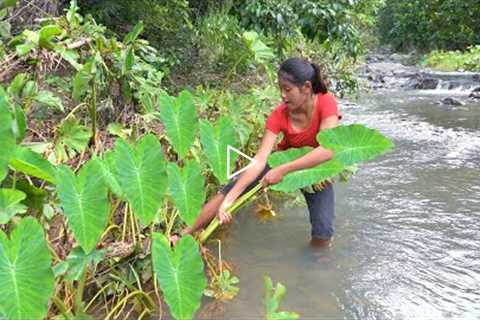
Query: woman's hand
{"x":222,"y":214}
{"x":273,"y":176}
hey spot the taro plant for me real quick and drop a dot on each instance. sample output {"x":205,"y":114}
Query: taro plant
{"x":273,"y":297}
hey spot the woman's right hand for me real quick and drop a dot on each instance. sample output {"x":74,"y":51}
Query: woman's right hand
{"x":222,"y":215}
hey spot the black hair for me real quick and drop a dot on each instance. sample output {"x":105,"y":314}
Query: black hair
{"x":298,"y":70}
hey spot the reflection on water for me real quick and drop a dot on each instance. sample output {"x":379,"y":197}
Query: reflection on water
{"x":407,"y":243}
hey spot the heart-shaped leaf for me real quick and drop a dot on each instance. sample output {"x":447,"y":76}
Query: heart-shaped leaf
{"x":10,"y":204}
{"x":187,"y":188}
{"x":85,"y":202}
{"x":180,"y":119}
{"x":215,"y":140}
{"x":354,"y":143}
{"x":32,"y":164}
{"x":180,"y":274}
{"x":302,"y":178}
{"x":26,"y":275}
{"x":109,"y":173}
{"x":7,"y":136}
{"x":141,"y":173}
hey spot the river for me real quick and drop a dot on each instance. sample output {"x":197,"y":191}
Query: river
{"x":407,"y":242}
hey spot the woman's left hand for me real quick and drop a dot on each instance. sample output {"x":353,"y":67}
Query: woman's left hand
{"x":273,"y":176}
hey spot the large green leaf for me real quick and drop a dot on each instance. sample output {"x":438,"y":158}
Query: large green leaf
{"x":142,"y":176}
{"x":272,"y":301}
{"x":10,"y":204}
{"x":26,"y":275}
{"x":302,"y":178}
{"x":215,"y":140}
{"x":354,"y":143}
{"x":85,"y":202}
{"x":180,"y":119}
{"x":7,"y":136}
{"x":109,"y":173}
{"x":32,"y":164}
{"x":180,"y":274}
{"x":187,"y":188}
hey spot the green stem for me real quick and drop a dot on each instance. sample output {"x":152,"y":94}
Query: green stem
{"x":79,"y":309}
{"x":237,"y":204}
{"x":93,"y":111}
{"x":61,"y":307}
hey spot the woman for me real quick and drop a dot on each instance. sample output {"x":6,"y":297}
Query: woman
{"x":307,"y":107}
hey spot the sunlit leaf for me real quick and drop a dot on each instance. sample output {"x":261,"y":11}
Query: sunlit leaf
{"x":180,"y":274}
{"x":46,"y":35}
{"x":10,"y":204}
{"x":133,"y":35}
{"x":187,"y":188}
{"x":26,"y":161}
{"x":25,"y":272}
{"x":85,"y":202}
{"x":354,"y":143}
{"x":141,"y":173}
{"x":215,"y":139}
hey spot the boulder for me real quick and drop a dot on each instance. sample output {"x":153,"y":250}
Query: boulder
{"x":451,"y":101}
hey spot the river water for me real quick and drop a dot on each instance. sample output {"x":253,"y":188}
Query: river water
{"x":407,"y":242}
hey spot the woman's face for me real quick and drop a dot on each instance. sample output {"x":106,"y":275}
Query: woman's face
{"x":295,"y":97}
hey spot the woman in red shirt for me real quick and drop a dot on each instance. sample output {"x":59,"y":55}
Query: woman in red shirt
{"x":307,"y":107}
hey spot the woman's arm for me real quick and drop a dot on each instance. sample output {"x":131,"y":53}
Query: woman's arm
{"x":311,"y":159}
{"x":250,"y":174}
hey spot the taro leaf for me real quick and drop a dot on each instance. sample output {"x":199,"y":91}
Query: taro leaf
{"x":10,"y":204}
{"x":74,"y":266}
{"x":24,"y":49}
{"x":81,"y":80}
{"x":187,"y":188}
{"x":109,"y":173}
{"x":133,"y":35}
{"x":354,"y":143}
{"x":302,"y":178}
{"x":85,"y":202}
{"x":215,"y":140}
{"x":25,"y":272}
{"x":17,"y":84}
{"x":32,"y":164}
{"x":141,"y":173}
{"x":36,"y":197}
{"x":46,"y":35}
{"x":272,"y":302}
{"x":20,"y":124}
{"x":72,"y":137}
{"x":180,"y":119}
{"x":48,"y":99}
{"x":180,"y":274}
{"x":7,"y":136}
{"x":262,"y":53}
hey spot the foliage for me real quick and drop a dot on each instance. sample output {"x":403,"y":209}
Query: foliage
{"x":430,"y":24}
{"x":454,"y":60}
{"x":84,"y":201}
{"x":272,"y":301}
{"x":10,"y":204}
{"x":141,"y":173}
{"x":180,"y":273}
{"x":25,"y":272}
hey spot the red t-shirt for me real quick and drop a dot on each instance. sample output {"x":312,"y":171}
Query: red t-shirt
{"x":278,"y":121}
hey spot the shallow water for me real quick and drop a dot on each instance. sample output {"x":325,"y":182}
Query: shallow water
{"x":407,"y":242}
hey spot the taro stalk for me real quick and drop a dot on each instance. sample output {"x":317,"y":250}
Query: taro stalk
{"x":352,"y":144}
{"x":180,"y":119}
{"x":26,"y":275}
{"x":180,"y":274}
{"x":215,"y":139}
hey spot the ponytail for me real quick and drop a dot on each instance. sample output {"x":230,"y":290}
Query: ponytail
{"x":318,"y":84}
{"x":298,"y":70}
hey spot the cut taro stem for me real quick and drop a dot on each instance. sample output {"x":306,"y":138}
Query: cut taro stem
{"x":237,"y":204}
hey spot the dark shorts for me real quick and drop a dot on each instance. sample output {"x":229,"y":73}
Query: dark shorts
{"x":321,"y":206}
